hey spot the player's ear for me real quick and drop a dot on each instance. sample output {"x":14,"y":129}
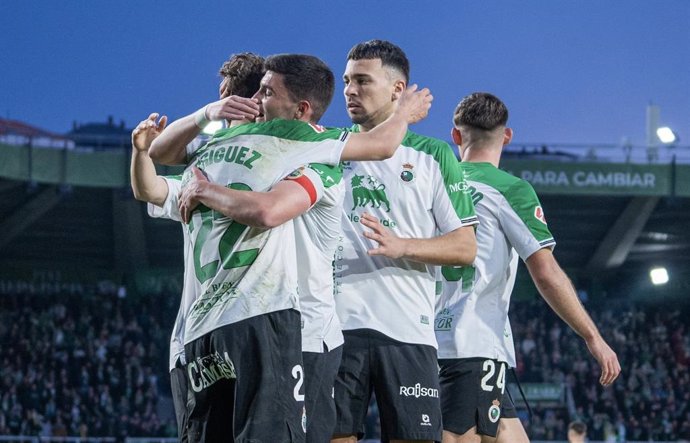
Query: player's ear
{"x":507,"y":136}
{"x":398,"y":88}
{"x":456,"y":136}
{"x":303,"y":111}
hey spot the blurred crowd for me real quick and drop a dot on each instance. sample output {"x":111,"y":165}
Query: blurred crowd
{"x":83,"y":365}
{"x":651,"y":398}
{"x":97,"y":366}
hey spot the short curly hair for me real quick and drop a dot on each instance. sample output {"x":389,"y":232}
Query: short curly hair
{"x":242,"y":74}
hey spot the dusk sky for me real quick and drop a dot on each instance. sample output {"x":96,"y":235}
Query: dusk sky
{"x":570,"y":71}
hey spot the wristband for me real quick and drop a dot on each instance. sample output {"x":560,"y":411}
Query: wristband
{"x":200,"y":119}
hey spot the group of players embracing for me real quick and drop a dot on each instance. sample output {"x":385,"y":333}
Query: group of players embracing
{"x":326,"y":264}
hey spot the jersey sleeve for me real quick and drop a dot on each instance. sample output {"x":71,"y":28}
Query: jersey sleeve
{"x":323,"y":146}
{"x":193,"y":146}
{"x":169,"y":209}
{"x":452,"y":205}
{"x":310,"y":181}
{"x":524,"y":222}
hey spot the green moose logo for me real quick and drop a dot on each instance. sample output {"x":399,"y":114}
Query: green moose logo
{"x":372,"y":193}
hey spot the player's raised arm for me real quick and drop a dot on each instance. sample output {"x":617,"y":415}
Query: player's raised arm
{"x":381,"y":142}
{"x":555,"y":286}
{"x":146,"y":184}
{"x":170,"y":148}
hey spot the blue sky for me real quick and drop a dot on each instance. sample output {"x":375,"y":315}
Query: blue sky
{"x":570,"y":71}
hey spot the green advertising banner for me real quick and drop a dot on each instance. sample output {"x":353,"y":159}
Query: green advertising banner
{"x":682,"y":181}
{"x":593,"y":178}
{"x":110,"y":168}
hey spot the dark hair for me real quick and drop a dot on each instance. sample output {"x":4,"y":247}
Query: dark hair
{"x":578,"y":427}
{"x":481,"y":110}
{"x":390,"y":55}
{"x":306,"y":78}
{"x":243,"y":73}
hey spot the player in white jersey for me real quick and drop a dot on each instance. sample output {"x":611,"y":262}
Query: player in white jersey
{"x":257,"y":294}
{"x":386,"y":305}
{"x":241,"y":75}
{"x":472,"y":326}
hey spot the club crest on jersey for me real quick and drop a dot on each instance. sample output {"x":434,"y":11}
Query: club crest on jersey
{"x":369,"y":192}
{"x":539,"y":214}
{"x":317,"y":128}
{"x":495,"y":411}
{"x":407,"y":174}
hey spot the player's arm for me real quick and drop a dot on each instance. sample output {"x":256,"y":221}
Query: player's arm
{"x":170,"y":148}
{"x":556,"y":288}
{"x":285,"y":201}
{"x":146,"y":184}
{"x":456,"y":248}
{"x":381,"y":142}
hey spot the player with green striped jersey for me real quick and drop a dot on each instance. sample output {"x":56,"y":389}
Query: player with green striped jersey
{"x":385,"y":292}
{"x":472,"y":326}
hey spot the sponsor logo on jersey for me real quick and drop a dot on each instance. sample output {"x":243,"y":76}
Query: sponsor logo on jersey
{"x":407,"y":174}
{"x":426,"y":420}
{"x":495,"y":411}
{"x":205,"y":371}
{"x":384,"y":221}
{"x":476,"y":195}
{"x":539,"y":214}
{"x":444,"y":320}
{"x":417,"y":391}
{"x":369,"y":192}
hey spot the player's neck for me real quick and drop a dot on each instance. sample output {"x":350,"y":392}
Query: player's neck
{"x":476,"y":154}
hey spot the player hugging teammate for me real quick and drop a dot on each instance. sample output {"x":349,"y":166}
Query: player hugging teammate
{"x":311,"y":259}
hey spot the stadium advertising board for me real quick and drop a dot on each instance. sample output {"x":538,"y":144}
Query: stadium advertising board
{"x":111,"y":169}
{"x":593,"y":178}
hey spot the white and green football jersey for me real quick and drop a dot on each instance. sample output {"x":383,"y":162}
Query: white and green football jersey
{"x":417,"y":193}
{"x":244,"y":271}
{"x":317,"y":232}
{"x":190,"y":287}
{"x":472,"y":310}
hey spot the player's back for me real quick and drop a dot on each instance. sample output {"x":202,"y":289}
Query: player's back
{"x":247,"y":271}
{"x":472,"y":310}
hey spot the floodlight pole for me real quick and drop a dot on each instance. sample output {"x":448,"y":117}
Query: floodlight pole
{"x":653,"y":114}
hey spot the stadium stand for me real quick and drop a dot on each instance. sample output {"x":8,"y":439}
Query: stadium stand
{"x":89,"y":365}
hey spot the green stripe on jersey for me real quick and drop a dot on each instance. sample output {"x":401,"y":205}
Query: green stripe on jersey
{"x":286,"y":129}
{"x":330,"y":175}
{"x":518,"y":193}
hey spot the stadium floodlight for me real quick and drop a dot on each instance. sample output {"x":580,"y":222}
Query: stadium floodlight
{"x":212,"y":127}
{"x":659,"y":276}
{"x":666,"y":135}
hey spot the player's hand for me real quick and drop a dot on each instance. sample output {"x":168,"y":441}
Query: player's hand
{"x":607,"y":359}
{"x":390,"y":245}
{"x":189,"y":196}
{"x":233,"y":108}
{"x":415,"y":104}
{"x":146,"y":131}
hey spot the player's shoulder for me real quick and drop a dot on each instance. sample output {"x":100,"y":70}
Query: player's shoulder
{"x":294,"y":130}
{"x":425,"y":144}
{"x":504,"y":182}
{"x":330,"y":175}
